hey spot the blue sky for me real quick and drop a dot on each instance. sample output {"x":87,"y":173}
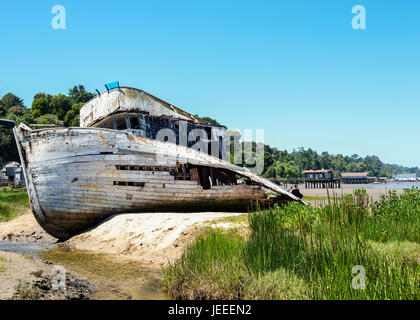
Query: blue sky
{"x":296,"y":69}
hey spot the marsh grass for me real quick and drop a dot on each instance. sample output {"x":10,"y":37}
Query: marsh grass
{"x":239,"y":219}
{"x":308,"y":252}
{"x":314,"y":198}
{"x":13,"y":202}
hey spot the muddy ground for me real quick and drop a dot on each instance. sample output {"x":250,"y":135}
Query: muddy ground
{"x":152,"y":238}
{"x":25,"y":228}
{"x":24,"y":277}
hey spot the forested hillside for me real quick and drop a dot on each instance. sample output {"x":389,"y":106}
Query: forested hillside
{"x":60,"y":110}
{"x":284,"y":164}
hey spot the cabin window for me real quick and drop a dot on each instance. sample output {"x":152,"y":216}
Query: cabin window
{"x":135,"y":123}
{"x":204,"y":176}
{"x":208,"y":177}
{"x":129,"y":183}
{"x":145,"y":168}
{"x":121,"y":124}
{"x":181,"y":172}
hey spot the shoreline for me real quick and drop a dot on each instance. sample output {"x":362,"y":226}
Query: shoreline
{"x":121,"y":258}
{"x":373,"y":191}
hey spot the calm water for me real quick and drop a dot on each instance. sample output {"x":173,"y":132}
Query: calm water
{"x":115,"y":278}
{"x":34,"y":249}
{"x":402,"y":185}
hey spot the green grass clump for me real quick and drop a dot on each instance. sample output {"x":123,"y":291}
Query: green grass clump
{"x":395,"y":217}
{"x":26,"y":291}
{"x":214,"y":268}
{"x":214,"y":254}
{"x":306,"y":252}
{"x":13,"y":202}
{"x":37,"y":274}
{"x":314,"y":198}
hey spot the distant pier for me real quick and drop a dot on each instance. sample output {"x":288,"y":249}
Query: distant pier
{"x":320,"y":179}
{"x":322,"y":184}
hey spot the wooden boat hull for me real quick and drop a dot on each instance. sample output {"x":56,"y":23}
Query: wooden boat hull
{"x":77,"y":177}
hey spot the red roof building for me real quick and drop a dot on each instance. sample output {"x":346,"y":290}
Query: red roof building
{"x":354,"y":177}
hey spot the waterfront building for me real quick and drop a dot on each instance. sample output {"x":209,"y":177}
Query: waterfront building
{"x":320,"y":179}
{"x":354,"y":177}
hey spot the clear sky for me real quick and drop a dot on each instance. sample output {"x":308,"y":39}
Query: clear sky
{"x":296,"y":69}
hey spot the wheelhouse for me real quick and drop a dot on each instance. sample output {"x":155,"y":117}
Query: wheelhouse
{"x":124,"y":108}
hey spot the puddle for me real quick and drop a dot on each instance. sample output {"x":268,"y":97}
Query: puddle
{"x":34,"y":249}
{"x":115,"y":278}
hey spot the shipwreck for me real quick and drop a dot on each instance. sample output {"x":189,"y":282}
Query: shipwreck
{"x":115,"y":162}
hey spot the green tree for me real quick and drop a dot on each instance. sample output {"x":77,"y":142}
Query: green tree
{"x":270,"y":172}
{"x":8,"y":149}
{"x":18,"y":110}
{"x":41,"y":104}
{"x":209,"y":120}
{"x":68,"y":119}
{"x":11,"y":116}
{"x":3,"y":109}
{"x":76,"y":121}
{"x":78,"y":94}
{"x":27,"y":119}
{"x":49,"y":119}
{"x":291,"y":171}
{"x":61,"y":104}
{"x":11,"y":100}
{"x":72,"y":114}
{"x":66,"y":108}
